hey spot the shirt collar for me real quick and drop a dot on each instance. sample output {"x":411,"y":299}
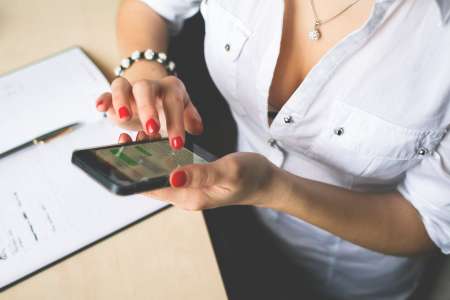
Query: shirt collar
{"x":444,"y":6}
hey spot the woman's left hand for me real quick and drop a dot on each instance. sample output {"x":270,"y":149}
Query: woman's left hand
{"x":237,"y":178}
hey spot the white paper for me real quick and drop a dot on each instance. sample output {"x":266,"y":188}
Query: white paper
{"x":48,"y":95}
{"x":50,"y":208}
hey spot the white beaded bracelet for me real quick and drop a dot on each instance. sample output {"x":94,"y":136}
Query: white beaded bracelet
{"x":149,"y":55}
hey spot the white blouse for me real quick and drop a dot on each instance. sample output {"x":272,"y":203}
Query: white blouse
{"x":372,"y":115}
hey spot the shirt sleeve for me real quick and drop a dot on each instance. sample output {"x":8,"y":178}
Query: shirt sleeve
{"x":427,"y":187}
{"x":174,"y":11}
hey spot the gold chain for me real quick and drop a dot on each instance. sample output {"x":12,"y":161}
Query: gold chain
{"x":320,"y":22}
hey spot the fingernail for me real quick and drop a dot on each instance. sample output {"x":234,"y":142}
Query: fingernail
{"x":122,"y":137}
{"x":140,"y":135}
{"x":99,"y":103}
{"x":178,"y":179}
{"x":123,"y":112}
{"x":152,"y":126}
{"x":177,"y":142}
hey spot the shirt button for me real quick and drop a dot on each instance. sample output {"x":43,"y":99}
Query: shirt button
{"x":288,"y":119}
{"x":422,"y":151}
{"x":272,"y":142}
{"x":227,"y":47}
{"x":339,"y":131}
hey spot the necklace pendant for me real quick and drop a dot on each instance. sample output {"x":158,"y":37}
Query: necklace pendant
{"x":314,"y":35}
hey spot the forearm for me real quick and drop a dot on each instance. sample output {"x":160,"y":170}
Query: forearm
{"x":138,"y":28}
{"x":383,"y":222}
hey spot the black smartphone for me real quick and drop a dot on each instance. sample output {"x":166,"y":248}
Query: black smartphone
{"x":126,"y":169}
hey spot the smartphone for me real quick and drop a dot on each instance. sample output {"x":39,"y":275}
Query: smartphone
{"x":136,"y":167}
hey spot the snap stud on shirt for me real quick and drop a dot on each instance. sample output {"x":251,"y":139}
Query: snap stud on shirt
{"x":339,"y":131}
{"x":288,"y":119}
{"x":272,"y":142}
{"x":227,"y":47}
{"x":422,"y":151}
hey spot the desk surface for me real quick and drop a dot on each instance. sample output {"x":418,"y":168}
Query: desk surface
{"x":168,"y":256}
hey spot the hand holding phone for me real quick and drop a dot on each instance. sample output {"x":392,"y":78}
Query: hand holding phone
{"x":137,"y":167}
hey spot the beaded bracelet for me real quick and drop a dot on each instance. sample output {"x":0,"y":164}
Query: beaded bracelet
{"x":149,"y":55}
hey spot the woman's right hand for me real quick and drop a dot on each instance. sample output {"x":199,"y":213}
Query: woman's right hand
{"x":157,"y":106}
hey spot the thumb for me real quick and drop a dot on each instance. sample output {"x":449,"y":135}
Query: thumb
{"x":195,"y":176}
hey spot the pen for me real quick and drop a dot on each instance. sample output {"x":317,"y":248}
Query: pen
{"x":41,"y":139}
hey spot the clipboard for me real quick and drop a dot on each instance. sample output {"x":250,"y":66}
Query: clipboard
{"x":51,"y":210}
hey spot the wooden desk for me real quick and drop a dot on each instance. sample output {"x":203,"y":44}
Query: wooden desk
{"x":168,"y":256}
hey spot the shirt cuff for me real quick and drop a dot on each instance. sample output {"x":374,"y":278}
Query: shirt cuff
{"x":433,"y":217}
{"x":173,"y":14}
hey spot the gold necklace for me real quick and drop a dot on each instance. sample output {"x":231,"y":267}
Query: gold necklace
{"x":315,"y":34}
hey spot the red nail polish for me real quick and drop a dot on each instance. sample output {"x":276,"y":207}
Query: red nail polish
{"x":178,"y":179}
{"x":152,"y":126}
{"x":177,"y":143}
{"x":99,"y":103}
{"x":123,"y":138}
{"x":123,"y":112}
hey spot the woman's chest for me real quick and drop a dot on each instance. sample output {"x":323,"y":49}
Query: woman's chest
{"x":259,"y":49}
{"x":298,"y":53}
{"x":367,"y":108}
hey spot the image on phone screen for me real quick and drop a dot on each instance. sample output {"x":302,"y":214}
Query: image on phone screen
{"x":137,"y":167}
{"x":139,"y":162}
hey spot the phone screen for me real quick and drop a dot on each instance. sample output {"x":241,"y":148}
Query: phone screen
{"x":143,"y":161}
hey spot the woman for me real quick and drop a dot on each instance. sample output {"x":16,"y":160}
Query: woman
{"x":352,"y":173}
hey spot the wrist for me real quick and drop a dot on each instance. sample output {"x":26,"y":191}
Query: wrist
{"x":282,"y":191}
{"x":146,"y":65}
{"x":143,"y":69}
{"x":273,"y":187}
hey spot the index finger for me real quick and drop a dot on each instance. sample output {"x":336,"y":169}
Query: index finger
{"x":174,"y":100}
{"x":145,"y":94}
